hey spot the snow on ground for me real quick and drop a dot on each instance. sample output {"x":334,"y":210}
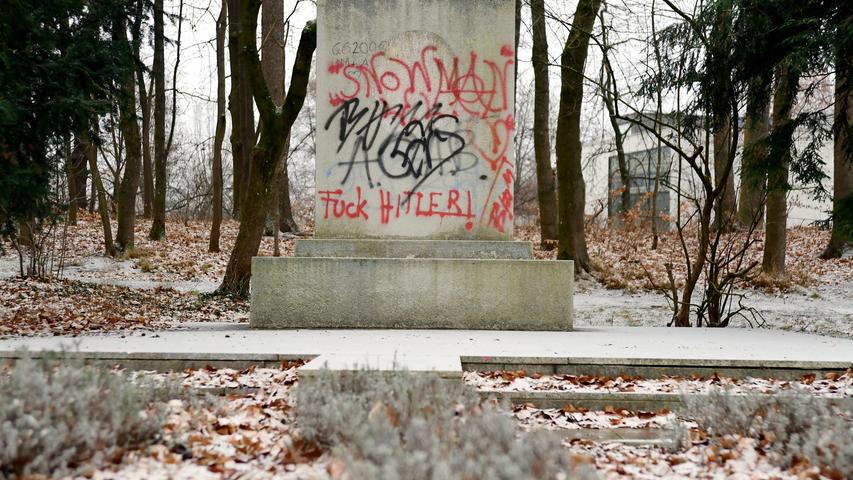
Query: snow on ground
{"x":824,"y":309}
{"x":36,"y":308}
{"x":818,"y":299}
{"x":573,"y":418}
{"x":744,"y":458}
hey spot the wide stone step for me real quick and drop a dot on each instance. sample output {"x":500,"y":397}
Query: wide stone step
{"x":411,"y":293}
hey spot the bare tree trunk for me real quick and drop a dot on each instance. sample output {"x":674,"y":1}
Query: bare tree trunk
{"x":92,"y":194}
{"x":610,"y":95}
{"x":147,"y":170}
{"x":725,"y":208}
{"x":273,"y":61}
{"x":126,"y":210}
{"x":219,"y":136}
{"x":72,"y":191}
{"x":659,"y":127}
{"x":773,"y":262}
{"x":98,"y":185}
{"x":275,"y":125}
{"x":571,"y":187}
{"x":515,"y":56}
{"x":118,"y":155}
{"x":682,"y":317}
{"x":546,"y":191}
{"x":656,"y":188}
{"x":80,"y":172}
{"x":77,"y":173}
{"x":175,"y":79}
{"x":753,"y":177}
{"x":842,"y":195}
{"x":158,"y":222}
{"x":618,"y":140}
{"x":286,"y":221}
{"x":242,"y":109}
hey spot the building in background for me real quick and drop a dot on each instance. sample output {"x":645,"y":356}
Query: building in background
{"x":649,"y":159}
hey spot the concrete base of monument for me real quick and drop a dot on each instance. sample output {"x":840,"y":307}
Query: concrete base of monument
{"x":445,"y":293}
{"x":370,"y":248}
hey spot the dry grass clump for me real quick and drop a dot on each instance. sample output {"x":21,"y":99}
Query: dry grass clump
{"x":420,"y":427}
{"x":60,"y":418}
{"x":801,"y":430}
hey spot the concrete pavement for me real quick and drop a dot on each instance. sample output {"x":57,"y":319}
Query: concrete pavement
{"x":611,"y":350}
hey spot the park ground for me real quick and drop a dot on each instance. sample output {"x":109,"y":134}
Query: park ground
{"x":229,"y":423}
{"x":165,"y":284}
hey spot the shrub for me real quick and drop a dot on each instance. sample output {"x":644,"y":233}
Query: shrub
{"x":794,"y":424}
{"x":57,"y":415}
{"x":403,"y":426}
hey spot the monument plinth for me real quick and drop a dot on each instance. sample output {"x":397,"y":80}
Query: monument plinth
{"x":415,"y":179}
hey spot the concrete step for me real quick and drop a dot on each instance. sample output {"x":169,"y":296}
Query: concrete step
{"x":406,"y":293}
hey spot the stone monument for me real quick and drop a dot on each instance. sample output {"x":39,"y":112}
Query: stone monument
{"x":415,"y":177}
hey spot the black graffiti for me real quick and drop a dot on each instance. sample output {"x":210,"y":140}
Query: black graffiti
{"x":402,"y":143}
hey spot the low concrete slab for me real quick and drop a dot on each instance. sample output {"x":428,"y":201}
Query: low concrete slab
{"x":632,"y":401}
{"x":750,"y":352}
{"x":655,"y":367}
{"x":590,"y":400}
{"x":444,"y":366}
{"x":661,"y":437}
{"x":368,"y":248}
{"x":411,"y":293}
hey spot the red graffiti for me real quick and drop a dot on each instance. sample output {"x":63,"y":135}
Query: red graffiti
{"x":501,"y":135}
{"x":502,"y":208}
{"x":476,"y":86}
{"x":336,"y":67}
{"x":342,"y":208}
{"x":426,"y":204}
{"x":473,"y":89}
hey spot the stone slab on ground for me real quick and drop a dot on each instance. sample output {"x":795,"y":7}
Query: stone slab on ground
{"x":445,"y":366}
{"x":757,"y":352}
{"x":488,"y":294}
{"x":371,"y":248}
{"x":631,"y":401}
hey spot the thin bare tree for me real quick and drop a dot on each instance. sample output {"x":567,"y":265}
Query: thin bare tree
{"x":242,"y":110}
{"x":753,"y":179}
{"x":775,"y":240}
{"x":126,"y":194}
{"x":158,"y":71}
{"x":103,"y":205}
{"x":842,"y":195}
{"x":219,"y":135}
{"x":145,"y":107}
{"x":571,"y":188}
{"x":545,"y":181}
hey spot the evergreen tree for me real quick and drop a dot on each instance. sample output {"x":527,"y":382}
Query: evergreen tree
{"x":57,"y":73}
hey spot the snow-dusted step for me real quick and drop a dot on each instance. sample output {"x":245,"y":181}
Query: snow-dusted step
{"x":446,"y":366}
{"x":611,"y":351}
{"x":633,"y":401}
